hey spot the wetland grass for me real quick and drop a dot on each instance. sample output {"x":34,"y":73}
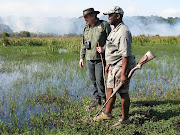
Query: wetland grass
{"x":43,"y":90}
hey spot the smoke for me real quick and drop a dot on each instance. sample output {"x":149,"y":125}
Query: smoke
{"x":54,"y":25}
{"x":60,"y":25}
{"x":152,"y":27}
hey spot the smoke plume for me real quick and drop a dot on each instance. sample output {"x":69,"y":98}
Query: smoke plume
{"x":59,"y":25}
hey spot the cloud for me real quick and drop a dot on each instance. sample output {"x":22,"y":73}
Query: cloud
{"x":130,"y":10}
{"x":170,"y":12}
{"x":70,"y":8}
{"x":20,"y":9}
{"x":38,"y":9}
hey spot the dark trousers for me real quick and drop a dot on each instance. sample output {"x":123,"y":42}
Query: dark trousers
{"x":96,"y":76}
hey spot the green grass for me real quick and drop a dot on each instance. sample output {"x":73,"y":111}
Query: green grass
{"x":48,"y":93}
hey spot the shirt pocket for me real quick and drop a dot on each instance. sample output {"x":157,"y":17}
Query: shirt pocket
{"x":87,"y":35}
{"x":99,"y":31}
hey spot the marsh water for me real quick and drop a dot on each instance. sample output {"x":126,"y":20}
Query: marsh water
{"x":22,"y":81}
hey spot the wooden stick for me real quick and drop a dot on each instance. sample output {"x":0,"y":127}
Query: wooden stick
{"x":103,"y":71}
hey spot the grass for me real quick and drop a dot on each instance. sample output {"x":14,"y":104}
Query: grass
{"x":45,"y":92}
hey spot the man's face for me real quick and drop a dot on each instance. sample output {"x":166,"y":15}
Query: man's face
{"x":90,"y":19}
{"x":112,"y":19}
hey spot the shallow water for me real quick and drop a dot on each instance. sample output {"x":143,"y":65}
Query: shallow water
{"x":162,"y":77}
{"x":22,"y":81}
{"x":62,"y":50}
{"x":19,"y":82}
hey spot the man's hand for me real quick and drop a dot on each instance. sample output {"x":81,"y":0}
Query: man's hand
{"x":107,"y":68}
{"x":123,"y":70}
{"x":81,"y":62}
{"x":123,"y":78}
{"x":100,"y":50}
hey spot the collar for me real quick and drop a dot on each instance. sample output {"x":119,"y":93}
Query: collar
{"x":118,"y":26}
{"x":96,"y":21}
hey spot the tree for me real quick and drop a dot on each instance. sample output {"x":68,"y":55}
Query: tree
{"x":5,"y":34}
{"x":171,"y":20}
{"x":25,"y":34}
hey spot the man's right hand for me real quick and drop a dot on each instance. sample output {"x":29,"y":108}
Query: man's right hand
{"x":100,"y":49}
{"x":81,"y":62}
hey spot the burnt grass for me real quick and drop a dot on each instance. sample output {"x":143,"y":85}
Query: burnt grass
{"x":60,"y":115}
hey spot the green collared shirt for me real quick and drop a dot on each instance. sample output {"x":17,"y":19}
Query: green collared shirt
{"x":98,"y":33}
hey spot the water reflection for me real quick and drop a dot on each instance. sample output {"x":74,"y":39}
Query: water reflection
{"x":20,"y":82}
{"x":62,"y":50}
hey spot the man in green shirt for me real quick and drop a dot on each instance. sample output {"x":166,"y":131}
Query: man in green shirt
{"x":94,"y":38}
{"x":120,"y":61}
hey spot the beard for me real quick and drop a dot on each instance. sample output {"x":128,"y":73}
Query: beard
{"x":113,"y":22}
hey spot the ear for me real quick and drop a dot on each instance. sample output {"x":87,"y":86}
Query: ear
{"x":118,"y":16}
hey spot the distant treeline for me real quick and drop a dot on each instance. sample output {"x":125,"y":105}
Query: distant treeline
{"x":28,"y":34}
{"x":61,"y":41}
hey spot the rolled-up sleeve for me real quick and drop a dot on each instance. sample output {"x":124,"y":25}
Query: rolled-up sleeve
{"x":125,"y":43}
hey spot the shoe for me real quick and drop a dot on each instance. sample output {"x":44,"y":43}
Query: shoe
{"x":103,"y":116}
{"x":120,"y":123}
{"x":95,"y":104}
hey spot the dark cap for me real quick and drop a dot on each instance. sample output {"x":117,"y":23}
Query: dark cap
{"x":89,"y":11}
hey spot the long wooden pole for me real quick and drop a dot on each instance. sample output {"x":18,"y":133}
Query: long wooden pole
{"x":103,"y":71}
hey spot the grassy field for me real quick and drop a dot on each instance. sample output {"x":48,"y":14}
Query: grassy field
{"x":43,"y":90}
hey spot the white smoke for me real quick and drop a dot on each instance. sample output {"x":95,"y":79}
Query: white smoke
{"x":61,"y":26}
{"x":152,"y":28}
{"x":56,"y":25}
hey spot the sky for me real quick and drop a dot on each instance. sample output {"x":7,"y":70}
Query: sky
{"x":74,"y":8}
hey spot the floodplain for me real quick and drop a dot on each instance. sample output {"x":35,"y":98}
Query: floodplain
{"x":44,"y":91}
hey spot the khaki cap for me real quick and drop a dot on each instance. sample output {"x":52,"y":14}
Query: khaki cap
{"x":114,"y":9}
{"x":89,"y":11}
